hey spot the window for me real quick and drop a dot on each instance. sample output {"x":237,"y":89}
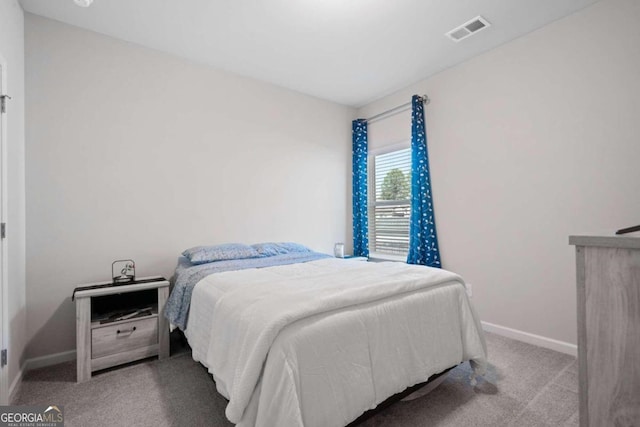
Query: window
{"x":390,"y":202}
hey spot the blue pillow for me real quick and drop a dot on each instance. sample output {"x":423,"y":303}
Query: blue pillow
{"x":293,"y":247}
{"x":272,"y":249}
{"x":204,"y":254}
{"x":268,"y":249}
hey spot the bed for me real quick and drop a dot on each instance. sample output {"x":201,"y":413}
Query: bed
{"x":304,"y":339}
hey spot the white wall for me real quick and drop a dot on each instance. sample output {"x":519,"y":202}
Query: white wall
{"x":133,"y":153}
{"x":12,"y":49}
{"x":528,"y":143}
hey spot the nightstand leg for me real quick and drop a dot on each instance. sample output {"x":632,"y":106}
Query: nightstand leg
{"x":163,"y":324}
{"x":83,"y":339}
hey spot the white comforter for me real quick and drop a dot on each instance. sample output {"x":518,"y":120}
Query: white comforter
{"x":319,"y":343}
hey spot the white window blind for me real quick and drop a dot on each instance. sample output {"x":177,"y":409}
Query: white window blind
{"x":390,"y":205}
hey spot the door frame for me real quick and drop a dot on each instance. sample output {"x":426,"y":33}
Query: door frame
{"x":4,"y":282}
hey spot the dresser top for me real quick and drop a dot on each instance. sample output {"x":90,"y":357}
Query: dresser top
{"x":607,"y":240}
{"x":108,"y":288}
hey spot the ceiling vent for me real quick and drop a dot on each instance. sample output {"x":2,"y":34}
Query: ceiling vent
{"x":468,"y":28}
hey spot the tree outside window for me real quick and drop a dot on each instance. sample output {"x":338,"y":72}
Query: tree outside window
{"x":395,"y":186}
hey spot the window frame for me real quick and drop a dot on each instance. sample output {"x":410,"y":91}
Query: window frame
{"x":371,"y":202}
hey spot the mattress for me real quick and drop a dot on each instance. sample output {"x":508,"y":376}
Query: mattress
{"x":327,"y":368}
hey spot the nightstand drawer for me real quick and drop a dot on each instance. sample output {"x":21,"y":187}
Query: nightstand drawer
{"x":123,"y":336}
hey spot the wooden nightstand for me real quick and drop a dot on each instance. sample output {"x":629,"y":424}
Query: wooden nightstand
{"x":102,"y":343}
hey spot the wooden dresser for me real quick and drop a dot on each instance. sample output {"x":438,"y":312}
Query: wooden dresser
{"x":608,"y":282}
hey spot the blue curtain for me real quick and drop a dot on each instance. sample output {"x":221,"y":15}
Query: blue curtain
{"x":423,"y":241}
{"x":360,"y":218}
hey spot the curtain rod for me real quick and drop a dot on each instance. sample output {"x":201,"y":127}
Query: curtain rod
{"x":394,"y":110}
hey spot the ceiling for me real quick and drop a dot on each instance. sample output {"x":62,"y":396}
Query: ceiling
{"x":347,"y":51}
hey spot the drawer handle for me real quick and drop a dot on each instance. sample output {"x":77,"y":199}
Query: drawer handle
{"x":126,"y":331}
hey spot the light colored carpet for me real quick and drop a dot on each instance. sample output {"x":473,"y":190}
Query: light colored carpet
{"x":525,"y":386}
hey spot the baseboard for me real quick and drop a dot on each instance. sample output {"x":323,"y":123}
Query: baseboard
{"x":15,"y":386}
{"x":35,"y":363}
{"x":561,"y":346}
{"x":48,"y":360}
